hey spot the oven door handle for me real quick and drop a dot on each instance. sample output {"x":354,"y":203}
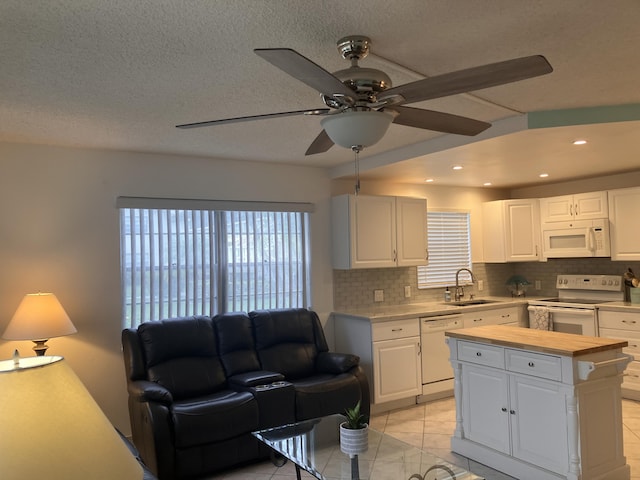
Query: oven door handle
{"x":572,"y":311}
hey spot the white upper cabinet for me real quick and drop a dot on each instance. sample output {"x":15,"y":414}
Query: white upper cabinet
{"x":411,"y":231}
{"x":583,"y":206}
{"x":370,"y":231}
{"x":511,"y":231}
{"x":624,"y":227}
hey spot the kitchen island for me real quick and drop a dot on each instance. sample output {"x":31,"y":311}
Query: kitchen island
{"x":539,"y":404}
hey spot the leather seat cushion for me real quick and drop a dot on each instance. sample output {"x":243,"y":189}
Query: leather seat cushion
{"x":213,"y":418}
{"x":325,"y":394}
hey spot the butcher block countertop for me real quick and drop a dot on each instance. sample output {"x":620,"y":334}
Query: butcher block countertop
{"x":555,"y":343}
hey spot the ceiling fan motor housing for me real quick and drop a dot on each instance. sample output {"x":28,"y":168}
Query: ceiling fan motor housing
{"x":366,"y":82}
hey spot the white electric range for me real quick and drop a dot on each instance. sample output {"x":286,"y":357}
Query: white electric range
{"x":574,"y":309}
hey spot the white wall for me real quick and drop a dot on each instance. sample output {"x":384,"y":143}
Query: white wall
{"x":59,"y":232}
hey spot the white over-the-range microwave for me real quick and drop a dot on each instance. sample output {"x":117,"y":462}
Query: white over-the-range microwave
{"x":580,"y":238}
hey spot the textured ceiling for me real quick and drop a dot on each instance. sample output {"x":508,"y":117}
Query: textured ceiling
{"x":120,"y":74}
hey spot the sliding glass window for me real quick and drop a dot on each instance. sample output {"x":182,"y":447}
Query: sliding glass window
{"x":179,"y":262}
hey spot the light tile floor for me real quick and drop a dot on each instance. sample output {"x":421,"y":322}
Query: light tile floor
{"x":429,"y":426}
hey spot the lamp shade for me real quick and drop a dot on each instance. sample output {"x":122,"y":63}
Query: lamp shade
{"x":52,"y":428}
{"x":39,"y":316}
{"x":357,"y":128}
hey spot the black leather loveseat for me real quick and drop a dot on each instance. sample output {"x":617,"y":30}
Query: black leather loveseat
{"x":198,"y":386}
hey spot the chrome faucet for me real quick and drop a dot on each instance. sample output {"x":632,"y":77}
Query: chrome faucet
{"x":459,"y":293}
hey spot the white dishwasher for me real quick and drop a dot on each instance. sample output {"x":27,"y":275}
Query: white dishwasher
{"x":437,"y":373}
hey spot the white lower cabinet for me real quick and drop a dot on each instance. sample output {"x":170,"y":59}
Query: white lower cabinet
{"x":396,"y":373}
{"x":624,"y":325}
{"x":533,"y":416}
{"x":389,"y":353}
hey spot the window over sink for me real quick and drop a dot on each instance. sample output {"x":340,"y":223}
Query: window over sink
{"x":449,"y":243}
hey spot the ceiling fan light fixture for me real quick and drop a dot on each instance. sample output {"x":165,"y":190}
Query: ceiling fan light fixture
{"x":357,"y":128}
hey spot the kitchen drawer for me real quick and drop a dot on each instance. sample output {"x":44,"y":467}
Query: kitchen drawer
{"x":535,"y":364}
{"x":481,"y":354}
{"x":630,"y":336}
{"x":620,"y":320}
{"x":395,"y":329}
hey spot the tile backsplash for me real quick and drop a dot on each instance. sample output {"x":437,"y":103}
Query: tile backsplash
{"x":355,"y":288}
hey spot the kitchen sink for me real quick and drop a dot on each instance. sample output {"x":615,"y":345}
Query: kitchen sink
{"x":464,"y":303}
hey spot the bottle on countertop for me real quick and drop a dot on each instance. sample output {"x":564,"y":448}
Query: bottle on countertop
{"x":447,"y":295}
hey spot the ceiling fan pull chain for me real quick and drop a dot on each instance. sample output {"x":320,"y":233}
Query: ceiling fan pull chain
{"x":356,"y":150}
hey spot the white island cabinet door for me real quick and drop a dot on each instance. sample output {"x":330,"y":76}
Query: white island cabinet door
{"x":485,"y":409}
{"x":539,"y":423}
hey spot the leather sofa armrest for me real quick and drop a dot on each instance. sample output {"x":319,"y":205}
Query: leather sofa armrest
{"x":146,"y":391}
{"x":336,"y":363}
{"x":251,"y":379}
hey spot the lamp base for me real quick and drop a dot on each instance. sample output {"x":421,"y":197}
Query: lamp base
{"x":40,"y":347}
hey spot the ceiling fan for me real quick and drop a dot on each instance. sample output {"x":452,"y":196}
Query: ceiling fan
{"x":362,"y":103}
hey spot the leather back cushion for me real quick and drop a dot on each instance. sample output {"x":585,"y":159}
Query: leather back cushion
{"x":235,"y":343}
{"x":181,"y":355}
{"x":288,"y":340}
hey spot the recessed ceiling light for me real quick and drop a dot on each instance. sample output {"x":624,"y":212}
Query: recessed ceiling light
{"x":544,"y":175}
{"x":428,"y":180}
{"x":579,"y":142}
{"x":487,"y":184}
{"x":457,"y":167}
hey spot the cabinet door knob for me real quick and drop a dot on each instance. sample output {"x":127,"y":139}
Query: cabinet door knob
{"x":396,"y":329}
{"x":504,"y":409}
{"x":531,"y":364}
{"x":478,"y":354}
{"x":512,"y":412}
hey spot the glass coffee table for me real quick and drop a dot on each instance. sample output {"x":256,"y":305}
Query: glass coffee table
{"x":314,"y":446}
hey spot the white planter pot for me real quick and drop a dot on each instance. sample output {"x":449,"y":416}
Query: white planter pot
{"x":354,"y":442}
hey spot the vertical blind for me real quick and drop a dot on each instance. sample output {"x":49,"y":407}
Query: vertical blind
{"x":202,"y":262}
{"x":449,"y":249}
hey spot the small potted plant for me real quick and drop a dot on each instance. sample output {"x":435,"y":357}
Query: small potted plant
{"x":354,"y":432}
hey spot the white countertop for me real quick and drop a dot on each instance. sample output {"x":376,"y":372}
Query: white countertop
{"x":426,"y":309}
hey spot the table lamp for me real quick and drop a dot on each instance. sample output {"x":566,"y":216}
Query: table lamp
{"x":38,"y":318}
{"x":52,"y":428}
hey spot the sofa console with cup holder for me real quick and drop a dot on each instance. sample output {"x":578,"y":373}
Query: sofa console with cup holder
{"x":198,"y":386}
